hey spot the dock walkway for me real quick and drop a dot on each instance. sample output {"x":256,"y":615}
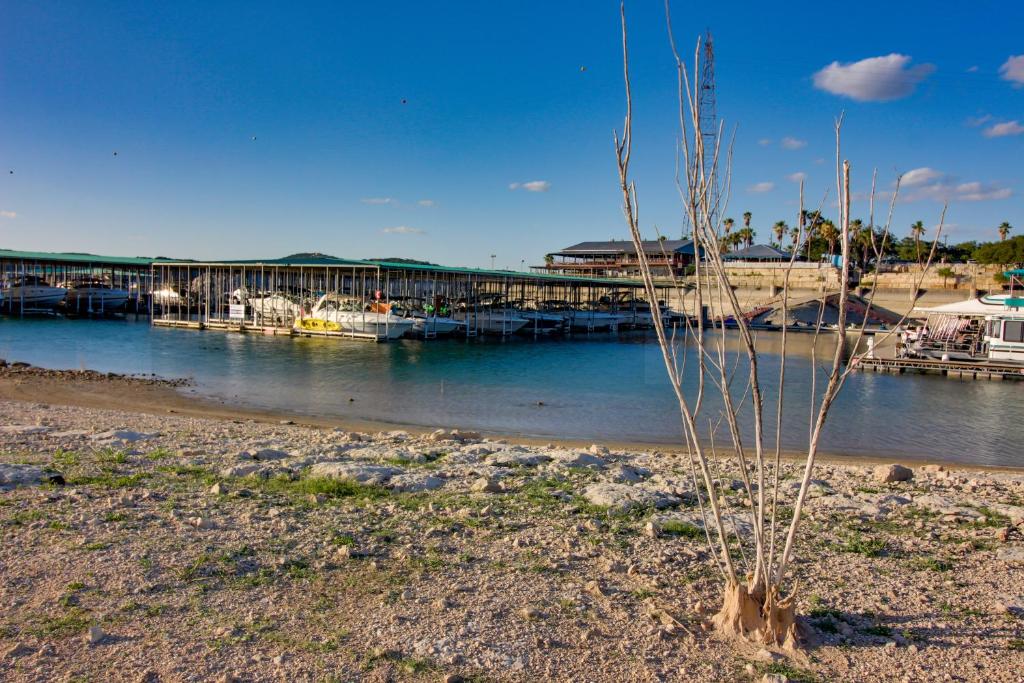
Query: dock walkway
{"x":951,"y":369}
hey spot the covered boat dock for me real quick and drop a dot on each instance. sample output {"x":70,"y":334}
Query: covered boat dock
{"x":275,"y":296}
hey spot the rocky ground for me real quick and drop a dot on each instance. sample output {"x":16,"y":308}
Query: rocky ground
{"x":172,"y":548}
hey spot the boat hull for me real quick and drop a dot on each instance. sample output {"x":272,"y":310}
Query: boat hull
{"x":379,"y":325}
{"x":488,"y":322}
{"x":434,"y":325}
{"x":33,"y":297}
{"x":95,"y":300}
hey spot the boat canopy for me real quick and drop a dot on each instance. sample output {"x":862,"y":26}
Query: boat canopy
{"x":972,"y":307}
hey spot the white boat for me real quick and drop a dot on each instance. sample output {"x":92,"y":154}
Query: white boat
{"x":167,"y":297}
{"x":30,"y":292}
{"x":338,"y":313}
{"x":586,"y":319}
{"x":986,"y":328}
{"x":428,"y":320}
{"x":274,"y":308}
{"x":490,"y":320}
{"x":1004,"y":336}
{"x":541,"y":321}
{"x":93,"y":295}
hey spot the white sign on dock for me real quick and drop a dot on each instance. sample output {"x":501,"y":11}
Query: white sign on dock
{"x":236,"y":312}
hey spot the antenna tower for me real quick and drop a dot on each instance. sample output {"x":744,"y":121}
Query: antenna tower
{"x":709,"y":124}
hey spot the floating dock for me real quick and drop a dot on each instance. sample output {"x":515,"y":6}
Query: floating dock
{"x":972,"y":370}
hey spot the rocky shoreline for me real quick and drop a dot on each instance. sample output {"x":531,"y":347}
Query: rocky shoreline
{"x":165,"y":547}
{"x":19,"y":370}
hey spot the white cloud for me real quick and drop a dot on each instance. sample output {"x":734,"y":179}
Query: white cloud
{"x":792,"y":143}
{"x":764,"y":142}
{"x":8,"y":214}
{"x":1013,"y":70}
{"x":531,"y":186}
{"x":975,"y":121}
{"x":972,"y":69}
{"x":1001,"y":130}
{"x":981,"y":192}
{"x":876,"y":79}
{"x":403,"y":230}
{"x":427,"y":202}
{"x":766,"y":186}
{"x":797,"y":177}
{"x":919,"y":176}
{"x":927,"y":183}
{"x":378,"y":200}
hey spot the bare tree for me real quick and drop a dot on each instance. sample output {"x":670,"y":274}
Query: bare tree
{"x":758,"y":600}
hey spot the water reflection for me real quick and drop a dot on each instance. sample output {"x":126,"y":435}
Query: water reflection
{"x":602,"y":387}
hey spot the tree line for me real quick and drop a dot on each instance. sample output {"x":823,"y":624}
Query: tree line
{"x":824,"y":236}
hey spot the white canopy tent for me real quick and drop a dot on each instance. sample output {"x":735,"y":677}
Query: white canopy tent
{"x":974,"y":308}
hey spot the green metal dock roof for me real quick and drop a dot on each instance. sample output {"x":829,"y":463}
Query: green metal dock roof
{"x":404,"y":266}
{"x":304,"y":261}
{"x":75,"y":257}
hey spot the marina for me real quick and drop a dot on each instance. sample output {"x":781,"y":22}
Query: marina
{"x":600,"y":342}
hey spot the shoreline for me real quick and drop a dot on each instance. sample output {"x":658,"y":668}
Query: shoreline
{"x":153,"y":395}
{"x":270,"y":550}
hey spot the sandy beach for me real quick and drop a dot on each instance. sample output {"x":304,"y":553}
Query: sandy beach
{"x":151,"y":536}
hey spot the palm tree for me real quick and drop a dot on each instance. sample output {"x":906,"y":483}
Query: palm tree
{"x":779,"y":229}
{"x":727,"y":224}
{"x":1004,"y":230}
{"x":746,"y":218}
{"x":795,"y":236}
{"x":746,"y":236}
{"x":917,"y":232}
{"x":860,"y":236}
{"x":830,"y":234}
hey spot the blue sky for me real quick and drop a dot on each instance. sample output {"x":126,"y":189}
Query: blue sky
{"x":399,"y":128}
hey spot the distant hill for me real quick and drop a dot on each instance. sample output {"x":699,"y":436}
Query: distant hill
{"x":396,"y":259}
{"x":308,"y":254}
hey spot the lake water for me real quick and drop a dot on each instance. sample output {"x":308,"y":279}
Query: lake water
{"x":601,"y":387}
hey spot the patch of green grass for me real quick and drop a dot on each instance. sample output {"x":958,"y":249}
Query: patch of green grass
{"x":74,"y":621}
{"x":411,"y":665}
{"x":992,"y":519}
{"x":878,"y":630}
{"x":789,"y":671}
{"x":76,"y":586}
{"x":64,"y":459}
{"x":58,"y":525}
{"x":109,"y":480}
{"x":676,"y":527}
{"x":160,"y":454}
{"x":194,"y":473}
{"x":642,"y":593}
{"x":931,"y":564}
{"x":331,"y":489}
{"x":95,"y":545}
{"x":1016,"y":644}
{"x":115,"y":517}
{"x":430,"y":560}
{"x":342,"y":539}
{"x":22,"y":517}
{"x":297,"y":568}
{"x":544,"y":492}
{"x":862,"y":545}
{"x":111,"y":456}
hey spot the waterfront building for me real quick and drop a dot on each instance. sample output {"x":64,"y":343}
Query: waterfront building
{"x":618,"y":258}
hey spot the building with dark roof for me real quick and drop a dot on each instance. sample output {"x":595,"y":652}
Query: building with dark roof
{"x":618,"y":258}
{"x":759,"y":253}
